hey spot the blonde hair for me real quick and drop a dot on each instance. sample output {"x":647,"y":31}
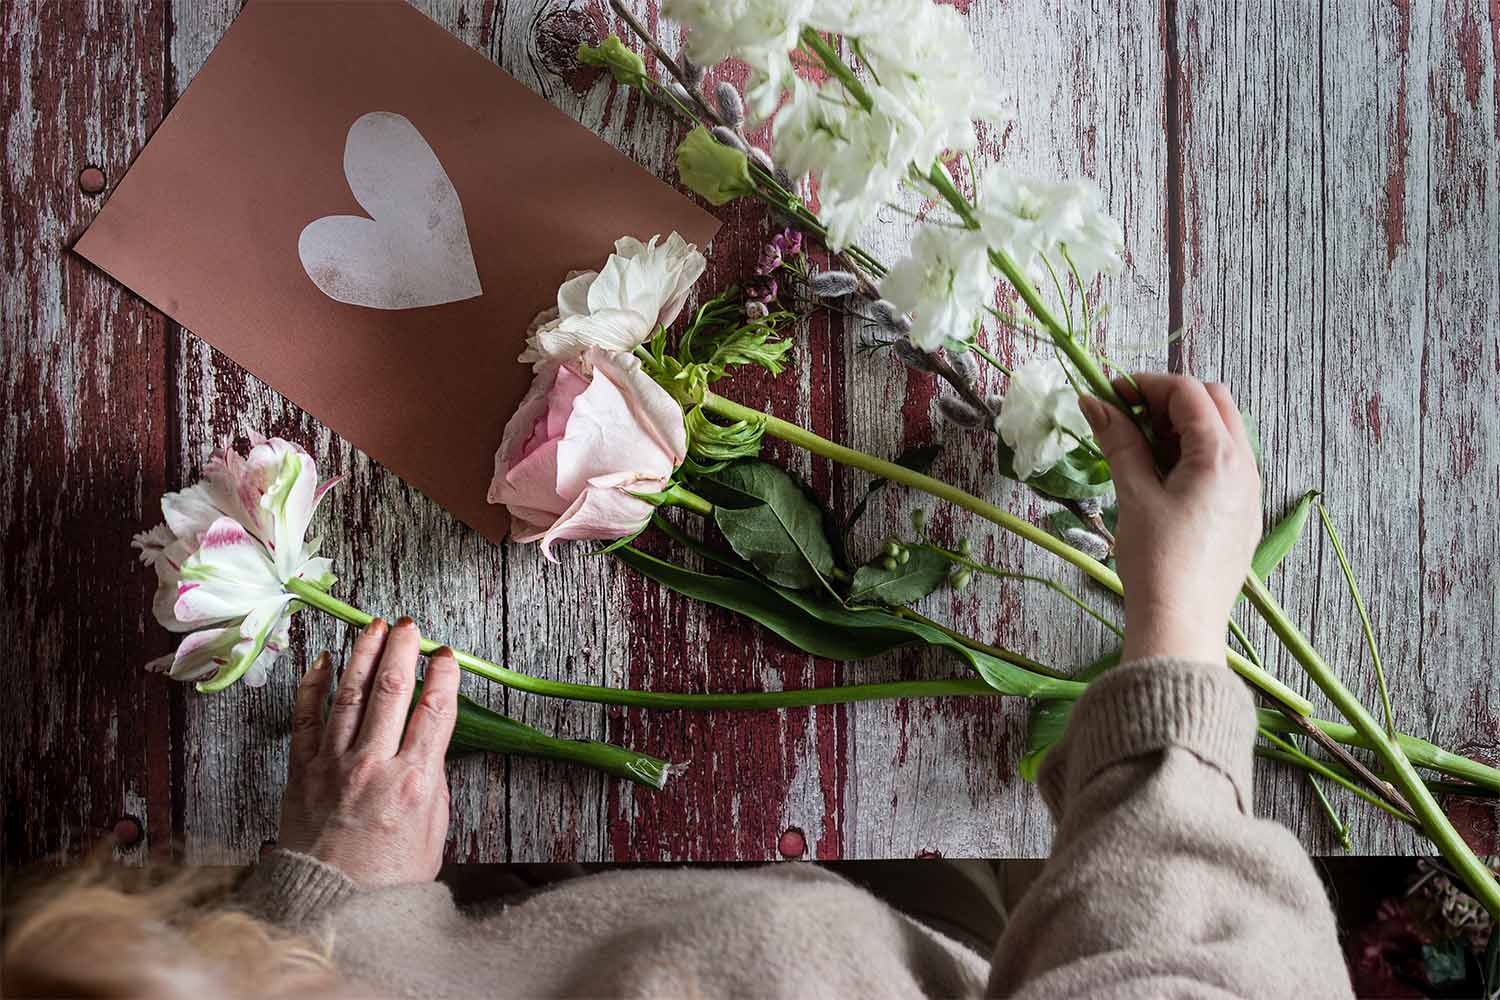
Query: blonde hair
{"x":105,"y":931}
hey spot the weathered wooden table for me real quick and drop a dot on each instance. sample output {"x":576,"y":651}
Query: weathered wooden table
{"x":1309,"y":195}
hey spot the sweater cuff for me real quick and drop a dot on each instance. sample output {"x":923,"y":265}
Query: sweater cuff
{"x":1150,"y":705}
{"x":294,"y":890}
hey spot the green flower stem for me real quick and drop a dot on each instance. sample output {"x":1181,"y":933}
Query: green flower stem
{"x":1285,"y":751}
{"x":1101,"y":573}
{"x":1392,"y":752}
{"x":998,"y":652}
{"x":1418,"y":751}
{"x":678,"y":495}
{"x":1049,"y":583}
{"x":819,"y":47}
{"x":931,"y":688}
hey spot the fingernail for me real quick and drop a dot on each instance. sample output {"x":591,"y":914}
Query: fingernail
{"x":375,"y":627}
{"x":444,"y":651}
{"x":322,"y":661}
{"x":405,"y":622}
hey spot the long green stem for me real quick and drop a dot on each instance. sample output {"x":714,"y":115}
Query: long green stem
{"x":929,"y":688}
{"x":1391,"y":751}
{"x":1049,"y":583}
{"x":1101,"y":573}
{"x":1287,"y":752}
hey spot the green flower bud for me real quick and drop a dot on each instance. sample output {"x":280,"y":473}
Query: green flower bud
{"x":919,"y":520}
{"x":717,"y":172}
{"x":888,"y":564}
{"x":965,"y":548}
{"x":893,"y":549}
{"x":904,"y":557}
{"x":611,"y":54}
{"x":961,"y":580}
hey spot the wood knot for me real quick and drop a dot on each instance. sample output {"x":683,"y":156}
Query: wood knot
{"x":557,"y":29}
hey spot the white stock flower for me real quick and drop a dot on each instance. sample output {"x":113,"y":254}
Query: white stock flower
{"x":1039,"y":417}
{"x":763,"y":33}
{"x":229,"y":544}
{"x":943,"y":284}
{"x":1032,"y":220}
{"x":642,"y":285}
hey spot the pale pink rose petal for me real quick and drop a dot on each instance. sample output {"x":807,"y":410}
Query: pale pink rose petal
{"x":652,"y":408}
{"x":570,"y":385}
{"x":603,"y":512}
{"x":518,"y":428}
{"x":606,"y":435}
{"x":532,"y":483}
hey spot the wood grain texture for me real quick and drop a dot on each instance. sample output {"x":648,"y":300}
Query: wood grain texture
{"x":1338,"y":211}
{"x":1340,"y":255}
{"x":84,"y":426}
{"x":1088,"y":87}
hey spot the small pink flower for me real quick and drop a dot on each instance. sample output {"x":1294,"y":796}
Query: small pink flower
{"x":761,"y":289}
{"x":589,"y":434}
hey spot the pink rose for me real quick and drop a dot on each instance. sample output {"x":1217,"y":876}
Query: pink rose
{"x":588,"y":435}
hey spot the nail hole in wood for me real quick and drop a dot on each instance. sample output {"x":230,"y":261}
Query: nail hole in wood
{"x":91,"y":180}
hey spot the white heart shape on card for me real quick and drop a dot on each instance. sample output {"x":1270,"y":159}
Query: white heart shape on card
{"x":414,"y":249}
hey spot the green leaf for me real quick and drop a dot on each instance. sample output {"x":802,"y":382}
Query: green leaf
{"x":478,"y":729}
{"x":1444,"y":962}
{"x":922,"y":573}
{"x":770,"y":522}
{"x":1048,"y":720}
{"x":766,"y":606}
{"x":918,"y":458}
{"x":611,"y":54}
{"x":816,"y":624}
{"x":1078,"y":476}
{"x":1283,"y":536}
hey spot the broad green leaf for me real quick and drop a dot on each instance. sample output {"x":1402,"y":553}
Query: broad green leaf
{"x":1048,"y":720}
{"x":922,"y":573}
{"x":770,"y":522}
{"x":1283,"y":536}
{"x":815,"y":623}
{"x":764,"y":605}
{"x":478,"y":729}
{"x":1077,"y":477}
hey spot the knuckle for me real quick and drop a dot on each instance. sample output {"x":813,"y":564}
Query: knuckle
{"x":392,"y":682}
{"x":305,"y":722}
{"x":362,"y":770}
{"x":415,"y":786}
{"x":434,"y":711}
{"x":348,"y":695}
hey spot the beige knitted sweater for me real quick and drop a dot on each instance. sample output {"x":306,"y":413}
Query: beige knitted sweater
{"x":1162,"y":883}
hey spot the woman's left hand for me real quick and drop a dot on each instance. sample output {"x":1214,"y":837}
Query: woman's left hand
{"x":366,"y":789}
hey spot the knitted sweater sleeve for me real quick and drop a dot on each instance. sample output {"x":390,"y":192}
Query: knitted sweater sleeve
{"x":1162,"y":882}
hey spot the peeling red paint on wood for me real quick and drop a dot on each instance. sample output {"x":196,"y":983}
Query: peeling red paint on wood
{"x":115,"y":406}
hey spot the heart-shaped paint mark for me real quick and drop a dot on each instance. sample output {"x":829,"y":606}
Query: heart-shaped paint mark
{"x":414,"y":249}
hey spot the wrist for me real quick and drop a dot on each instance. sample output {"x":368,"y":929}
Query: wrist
{"x":1160,"y":631}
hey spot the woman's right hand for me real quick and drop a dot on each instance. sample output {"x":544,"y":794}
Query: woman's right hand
{"x":1184,"y":541}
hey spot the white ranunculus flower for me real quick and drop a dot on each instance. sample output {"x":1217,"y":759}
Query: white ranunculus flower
{"x":229,"y":544}
{"x":1039,"y":417}
{"x":642,"y":286}
{"x":1031,"y":219}
{"x":943,"y":284}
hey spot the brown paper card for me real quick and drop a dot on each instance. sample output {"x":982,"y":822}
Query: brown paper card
{"x":217,"y":223}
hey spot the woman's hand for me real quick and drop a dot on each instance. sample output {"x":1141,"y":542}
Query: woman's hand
{"x":1184,"y":542}
{"x":359,"y":794}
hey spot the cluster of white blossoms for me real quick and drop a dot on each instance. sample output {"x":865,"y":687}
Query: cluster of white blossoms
{"x":1040,"y":417}
{"x":1041,"y":222}
{"x":943,"y":284}
{"x":923,"y":90}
